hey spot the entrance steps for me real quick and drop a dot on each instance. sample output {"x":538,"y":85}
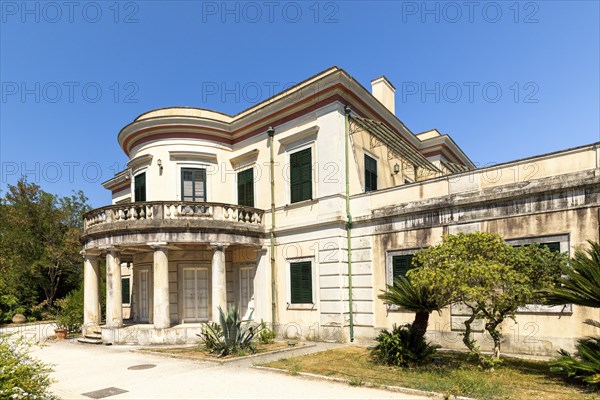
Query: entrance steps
{"x":95,"y":337}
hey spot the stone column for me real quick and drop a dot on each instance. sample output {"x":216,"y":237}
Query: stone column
{"x":91,"y":295}
{"x":262,"y":286}
{"x":219,"y":281}
{"x":114,"y":307}
{"x":162,"y":318}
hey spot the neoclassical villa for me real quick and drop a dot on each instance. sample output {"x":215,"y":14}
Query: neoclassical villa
{"x":300,"y":209}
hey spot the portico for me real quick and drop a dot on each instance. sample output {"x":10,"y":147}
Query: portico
{"x":180,"y":278}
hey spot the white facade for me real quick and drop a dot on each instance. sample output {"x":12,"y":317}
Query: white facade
{"x":291,"y":266}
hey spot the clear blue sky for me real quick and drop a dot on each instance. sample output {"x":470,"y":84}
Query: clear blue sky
{"x":448,"y":62}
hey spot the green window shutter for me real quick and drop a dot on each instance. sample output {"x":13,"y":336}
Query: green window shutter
{"x":553,"y":246}
{"x":301,"y":176}
{"x":401,"y":265}
{"x":139,"y":187}
{"x":370,"y":173}
{"x":125,"y":290}
{"x":193,"y":184}
{"x":301,"y":282}
{"x":245,"y":183}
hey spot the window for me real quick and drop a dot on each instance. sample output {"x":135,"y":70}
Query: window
{"x":301,"y":282}
{"x":140,"y":187}
{"x":370,"y":174}
{"x":401,"y":265}
{"x":126,"y":290}
{"x":552,"y":246}
{"x":245,"y":186}
{"x":555,"y":243}
{"x":193,"y":184}
{"x":301,"y":176}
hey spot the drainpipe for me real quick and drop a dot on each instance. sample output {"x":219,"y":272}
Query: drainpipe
{"x":271,"y":133}
{"x":349,"y":221}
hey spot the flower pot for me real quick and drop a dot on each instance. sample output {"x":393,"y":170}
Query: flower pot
{"x":61,"y":334}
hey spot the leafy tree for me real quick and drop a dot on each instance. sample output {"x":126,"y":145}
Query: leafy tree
{"x":489,"y":277}
{"x":40,"y":243}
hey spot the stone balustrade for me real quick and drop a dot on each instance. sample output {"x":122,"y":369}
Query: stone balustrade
{"x":142,"y":213}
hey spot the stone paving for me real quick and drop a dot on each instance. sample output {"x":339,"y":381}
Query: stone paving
{"x":118,"y":372}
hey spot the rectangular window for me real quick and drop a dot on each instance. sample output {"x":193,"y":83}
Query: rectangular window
{"x":370,"y":174}
{"x":301,"y":176}
{"x":193,"y":184}
{"x":245,"y":186}
{"x":301,"y":282}
{"x":552,"y":246}
{"x":126,"y":290}
{"x":139,"y":187}
{"x":401,"y":265}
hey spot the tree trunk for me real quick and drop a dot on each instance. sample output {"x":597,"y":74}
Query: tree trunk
{"x":467,"y":339}
{"x":419,"y":325}
{"x":490,"y":327}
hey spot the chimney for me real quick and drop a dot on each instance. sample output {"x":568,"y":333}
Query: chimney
{"x":383,"y":90}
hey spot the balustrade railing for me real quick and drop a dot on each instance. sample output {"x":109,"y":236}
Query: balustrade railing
{"x":172,"y":210}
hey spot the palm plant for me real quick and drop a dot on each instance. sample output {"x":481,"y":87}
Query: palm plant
{"x":581,"y":281}
{"x":419,"y":300}
{"x":581,"y":286}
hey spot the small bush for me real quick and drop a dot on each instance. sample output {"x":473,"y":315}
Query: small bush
{"x":265,"y":335}
{"x":402,"y":347}
{"x":584,"y":365}
{"x":22,"y":376}
{"x":8,"y":307}
{"x":70,"y":311}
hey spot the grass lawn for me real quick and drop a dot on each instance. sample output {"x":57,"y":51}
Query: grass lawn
{"x":452,"y":374}
{"x":200,"y":352}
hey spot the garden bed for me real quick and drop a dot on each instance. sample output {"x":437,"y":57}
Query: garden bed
{"x":451,"y":374}
{"x":200,"y":352}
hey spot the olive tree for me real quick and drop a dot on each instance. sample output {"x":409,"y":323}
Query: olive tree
{"x":489,"y":277}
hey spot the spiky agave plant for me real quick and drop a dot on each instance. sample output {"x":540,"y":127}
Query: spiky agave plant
{"x":231,"y":335}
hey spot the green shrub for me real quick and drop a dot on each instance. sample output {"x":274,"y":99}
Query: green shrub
{"x":8,"y":308}
{"x":42,"y":311}
{"x":584,"y":365}
{"x":70,"y":311}
{"x":230,"y":336}
{"x":402,"y":347}
{"x":265,"y":335}
{"x":22,"y":376}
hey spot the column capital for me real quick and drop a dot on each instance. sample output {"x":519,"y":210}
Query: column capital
{"x":157,"y":245}
{"x":109,"y":249}
{"x":217,"y":245}
{"x":89,"y":254}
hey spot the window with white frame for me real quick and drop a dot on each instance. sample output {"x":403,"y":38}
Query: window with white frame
{"x":558,"y":243}
{"x":301,"y":175}
{"x":398,"y":263}
{"x":193,"y":184}
{"x":300,"y":276}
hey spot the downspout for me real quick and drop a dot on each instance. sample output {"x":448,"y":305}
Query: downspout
{"x":349,"y":221}
{"x":271,"y":133}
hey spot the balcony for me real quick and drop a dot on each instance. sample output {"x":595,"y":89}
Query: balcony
{"x":172,"y":221}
